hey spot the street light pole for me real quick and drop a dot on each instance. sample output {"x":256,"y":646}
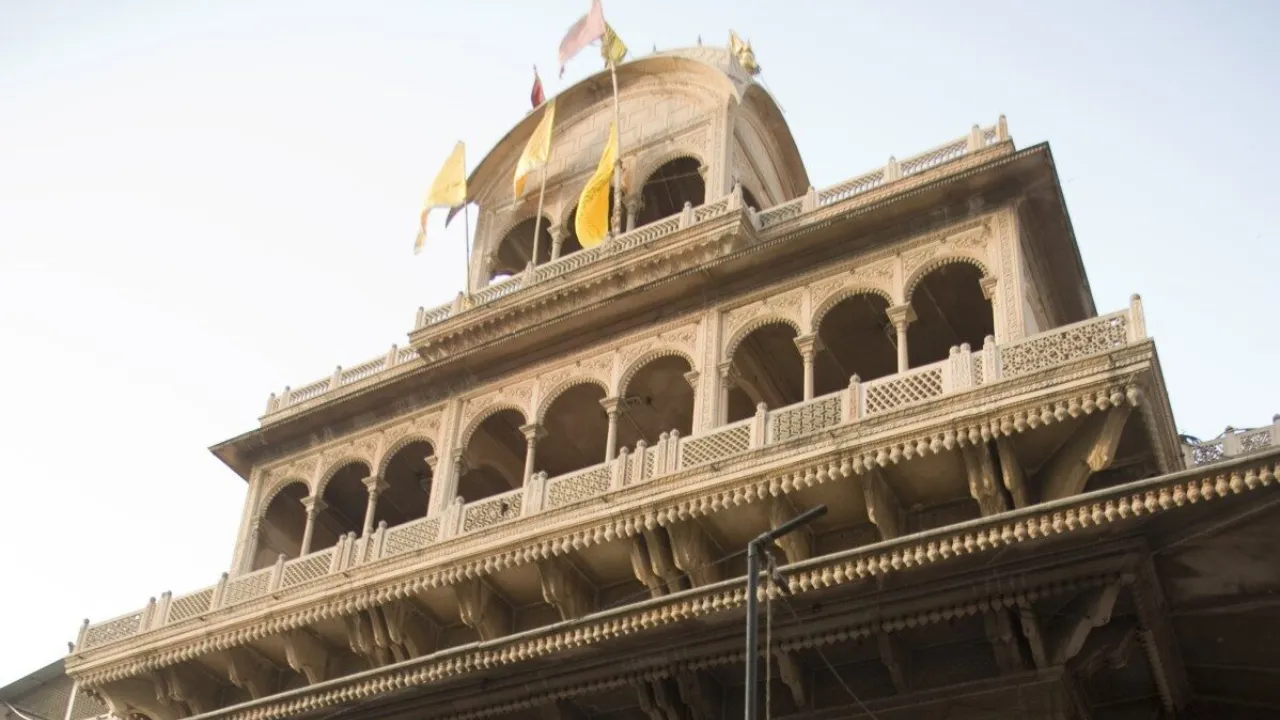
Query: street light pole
{"x":754,"y":549}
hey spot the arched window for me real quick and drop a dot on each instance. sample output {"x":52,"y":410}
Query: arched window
{"x":516,"y":248}
{"x":494,"y":459}
{"x":576,"y":429}
{"x":856,"y":339}
{"x":950,"y":309}
{"x":345,"y":497}
{"x":657,"y":399}
{"x":669,"y":187}
{"x":408,"y":477}
{"x":282,"y":526}
{"x":768,"y":370}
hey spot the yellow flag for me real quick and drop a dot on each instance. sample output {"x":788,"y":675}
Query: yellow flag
{"x":612,"y":49}
{"x":592,"y":220}
{"x":743,"y":52}
{"x":537,"y":151}
{"x":448,"y":191}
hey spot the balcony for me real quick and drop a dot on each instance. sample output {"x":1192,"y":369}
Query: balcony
{"x":1232,"y":443}
{"x":963,"y":371}
{"x":788,"y":215}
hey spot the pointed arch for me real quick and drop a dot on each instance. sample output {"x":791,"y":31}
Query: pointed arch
{"x":474,"y":423}
{"x":950,"y":302}
{"x":731,"y":346}
{"x":825,"y":305}
{"x":564,"y":386}
{"x":338,"y":466}
{"x":669,"y":186}
{"x":909,"y":287}
{"x":644,"y":359}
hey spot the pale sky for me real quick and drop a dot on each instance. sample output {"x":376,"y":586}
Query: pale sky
{"x":202,"y":202}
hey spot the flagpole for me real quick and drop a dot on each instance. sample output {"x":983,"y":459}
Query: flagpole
{"x":616,"y":220}
{"x":466,"y":229}
{"x":537,"y":219}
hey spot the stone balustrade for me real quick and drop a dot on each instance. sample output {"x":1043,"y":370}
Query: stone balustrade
{"x":977,"y":139}
{"x":964,"y":370}
{"x":1233,"y":442}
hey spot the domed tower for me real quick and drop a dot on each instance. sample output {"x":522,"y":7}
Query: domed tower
{"x":693,"y":124}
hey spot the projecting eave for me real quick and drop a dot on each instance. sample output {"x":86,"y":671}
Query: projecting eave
{"x":1071,"y":282}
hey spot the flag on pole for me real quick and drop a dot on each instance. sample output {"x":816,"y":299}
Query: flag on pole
{"x":448,"y":191}
{"x":742,"y":51}
{"x":612,"y":49}
{"x":592,"y":220}
{"x":536,"y":96}
{"x":586,"y":30}
{"x":537,"y":151}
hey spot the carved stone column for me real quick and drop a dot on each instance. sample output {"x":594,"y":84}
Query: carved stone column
{"x":901,"y":316}
{"x":532,"y":432}
{"x":612,"y":407}
{"x":314,"y":507}
{"x":557,"y":240}
{"x":634,"y":206}
{"x":809,"y":345}
{"x":375,"y":485}
{"x":728,"y":378}
{"x":251,"y":545}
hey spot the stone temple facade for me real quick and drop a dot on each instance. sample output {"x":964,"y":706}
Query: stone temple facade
{"x":537,"y":506}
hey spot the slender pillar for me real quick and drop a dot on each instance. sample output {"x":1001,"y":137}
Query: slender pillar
{"x":251,"y":546}
{"x":728,"y":377}
{"x":314,"y":506}
{"x":808,"y":345}
{"x":557,"y":240}
{"x":901,"y":316}
{"x":634,"y":206}
{"x":532,"y":432}
{"x":613,"y":408}
{"x":375,"y":485}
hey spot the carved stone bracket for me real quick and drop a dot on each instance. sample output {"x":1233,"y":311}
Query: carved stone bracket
{"x":694,"y":553}
{"x":482,"y":610}
{"x":249,"y":671}
{"x":565,"y":588}
{"x":796,"y":545}
{"x":983,"y":484}
{"x":883,"y":509}
{"x":1090,"y":450}
{"x":307,"y":656}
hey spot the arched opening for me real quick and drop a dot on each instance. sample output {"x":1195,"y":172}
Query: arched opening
{"x":657,"y":399}
{"x":768,"y":369}
{"x":494,"y":459}
{"x":283,"y":524}
{"x":570,"y":244}
{"x":749,"y":199}
{"x":345,"y":497}
{"x":856,"y":339}
{"x":408,"y":477}
{"x":516,"y":249}
{"x":576,"y":430}
{"x":669,"y":187}
{"x":950,"y":309}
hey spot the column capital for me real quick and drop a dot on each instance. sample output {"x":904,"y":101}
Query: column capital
{"x":611,"y":405}
{"x":808,"y":345}
{"x":375,"y":484}
{"x":634,"y":204}
{"x":729,"y":371}
{"x":556,"y":231}
{"x":901,"y":315}
{"x":533,"y":432}
{"x":988,"y":285}
{"x":314,"y":505}
{"x":692,"y":377}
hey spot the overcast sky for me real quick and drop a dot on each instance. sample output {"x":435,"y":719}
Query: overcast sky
{"x":203,"y":202}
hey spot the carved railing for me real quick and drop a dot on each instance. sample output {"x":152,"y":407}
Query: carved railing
{"x":977,"y":139}
{"x":1233,"y":442}
{"x":340,"y":378}
{"x":962,"y":371}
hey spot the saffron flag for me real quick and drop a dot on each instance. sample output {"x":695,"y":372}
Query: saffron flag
{"x":612,"y":49}
{"x":592,"y":219}
{"x":743,"y":52}
{"x":537,"y":151}
{"x":588,"y":29}
{"x":448,"y":191}
{"x":536,"y":96}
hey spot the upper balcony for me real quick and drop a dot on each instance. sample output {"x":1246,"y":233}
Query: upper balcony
{"x":558,"y":288}
{"x":874,"y":428}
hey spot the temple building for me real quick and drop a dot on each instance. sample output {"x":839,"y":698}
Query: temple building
{"x":537,"y":505}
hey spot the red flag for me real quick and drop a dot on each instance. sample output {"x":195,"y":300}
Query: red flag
{"x":588,"y":29}
{"x":536,"y":97}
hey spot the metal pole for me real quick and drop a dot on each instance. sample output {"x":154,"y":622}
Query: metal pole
{"x":754,"y":548}
{"x":615,"y":221}
{"x":537,"y":219}
{"x":753,"y":626}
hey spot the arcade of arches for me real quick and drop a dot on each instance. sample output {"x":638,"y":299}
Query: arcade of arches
{"x":860,"y":334}
{"x":663,"y":194}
